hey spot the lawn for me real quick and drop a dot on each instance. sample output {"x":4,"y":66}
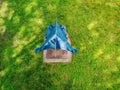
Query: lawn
{"x":94,"y":29}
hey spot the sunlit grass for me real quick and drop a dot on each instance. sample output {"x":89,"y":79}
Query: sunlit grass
{"x":118,"y":58}
{"x":3,"y":9}
{"x":28,"y":8}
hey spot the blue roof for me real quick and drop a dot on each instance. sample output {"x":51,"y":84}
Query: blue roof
{"x":56,"y":38}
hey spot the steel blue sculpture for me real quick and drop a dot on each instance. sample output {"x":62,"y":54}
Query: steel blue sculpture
{"x":56,"y":38}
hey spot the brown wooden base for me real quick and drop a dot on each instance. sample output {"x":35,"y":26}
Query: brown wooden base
{"x":57,"y":55}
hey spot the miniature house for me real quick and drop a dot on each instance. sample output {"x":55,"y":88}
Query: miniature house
{"x":57,"y":47}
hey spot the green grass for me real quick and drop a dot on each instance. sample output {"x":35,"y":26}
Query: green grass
{"x":94,"y":28}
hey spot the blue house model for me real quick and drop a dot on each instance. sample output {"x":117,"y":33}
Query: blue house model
{"x":56,"y":38}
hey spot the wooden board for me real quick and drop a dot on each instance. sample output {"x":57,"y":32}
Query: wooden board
{"x":57,"y":56}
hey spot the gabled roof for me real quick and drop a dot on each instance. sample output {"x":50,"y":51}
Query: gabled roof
{"x":56,"y":38}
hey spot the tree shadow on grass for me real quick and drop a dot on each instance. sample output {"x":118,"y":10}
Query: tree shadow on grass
{"x":68,"y":85}
{"x":20,"y":67}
